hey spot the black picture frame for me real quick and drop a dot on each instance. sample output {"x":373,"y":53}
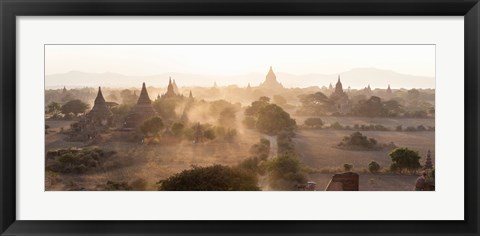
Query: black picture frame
{"x":9,"y":9}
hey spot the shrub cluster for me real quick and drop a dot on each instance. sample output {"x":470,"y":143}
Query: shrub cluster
{"x":358,"y":140}
{"x":211,"y":178}
{"x":76,"y":160}
{"x":413,"y":128}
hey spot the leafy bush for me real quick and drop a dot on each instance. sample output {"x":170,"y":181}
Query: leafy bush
{"x":152,"y":125}
{"x":373,"y":167}
{"x":211,"y":178}
{"x":336,"y":125}
{"x":286,"y":172}
{"x":357,"y":140}
{"x":272,"y":119}
{"x":261,"y":150}
{"x":314,"y":122}
{"x":76,"y":160}
{"x":347,"y":167}
{"x":404,"y":159}
{"x":116,"y":186}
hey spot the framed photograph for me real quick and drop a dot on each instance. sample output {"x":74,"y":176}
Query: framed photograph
{"x":208,"y":117}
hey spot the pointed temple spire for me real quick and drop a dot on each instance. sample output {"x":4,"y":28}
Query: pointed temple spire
{"x":338,"y":86}
{"x":175,"y":88}
{"x":170,"y":89}
{"x":144,"y":98}
{"x":100,"y":109}
{"x":142,"y":110}
{"x":190,"y":95}
{"x":99,"y":98}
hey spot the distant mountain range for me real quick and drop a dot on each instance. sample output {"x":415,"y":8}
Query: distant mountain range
{"x":355,"y":78}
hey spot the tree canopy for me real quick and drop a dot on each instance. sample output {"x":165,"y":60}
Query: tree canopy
{"x":315,"y":104}
{"x":211,"y":178}
{"x":373,"y":167}
{"x":285,"y":172}
{"x":314,"y":122}
{"x":152,"y":125}
{"x":272,"y":119}
{"x":404,"y":159}
{"x":74,"y":106}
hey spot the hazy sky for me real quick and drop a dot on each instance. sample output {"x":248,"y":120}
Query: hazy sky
{"x":140,"y":60}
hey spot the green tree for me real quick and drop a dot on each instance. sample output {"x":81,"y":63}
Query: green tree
{"x":315,"y":104}
{"x":272,"y":119}
{"x":74,"y":106}
{"x":152,"y":126}
{"x":121,"y":110}
{"x":392,"y":108}
{"x":404,"y":159}
{"x":372,"y":107}
{"x":373,"y":167}
{"x":256,"y":106}
{"x":347,"y":167}
{"x":165,"y":107}
{"x":314,"y":122}
{"x":357,"y":139}
{"x":53,"y":108}
{"x":177,"y":128}
{"x":211,"y":178}
{"x":285,"y":172}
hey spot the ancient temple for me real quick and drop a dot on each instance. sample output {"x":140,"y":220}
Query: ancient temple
{"x":141,"y":111}
{"x":271,"y":81}
{"x":170,"y":90}
{"x":340,"y":98}
{"x":175,"y":88}
{"x":100,"y":113}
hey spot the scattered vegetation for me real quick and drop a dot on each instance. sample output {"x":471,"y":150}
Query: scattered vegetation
{"x":358,"y":141}
{"x":313,"y":123}
{"x":347,"y":167}
{"x":286,"y":172}
{"x":152,"y":126}
{"x":268,"y":118}
{"x":211,"y":178}
{"x":76,"y":161}
{"x":74,"y":107}
{"x":373,"y":167}
{"x":404,"y":159}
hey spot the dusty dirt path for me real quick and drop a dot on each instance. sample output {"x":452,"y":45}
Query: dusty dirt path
{"x":263,"y":180}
